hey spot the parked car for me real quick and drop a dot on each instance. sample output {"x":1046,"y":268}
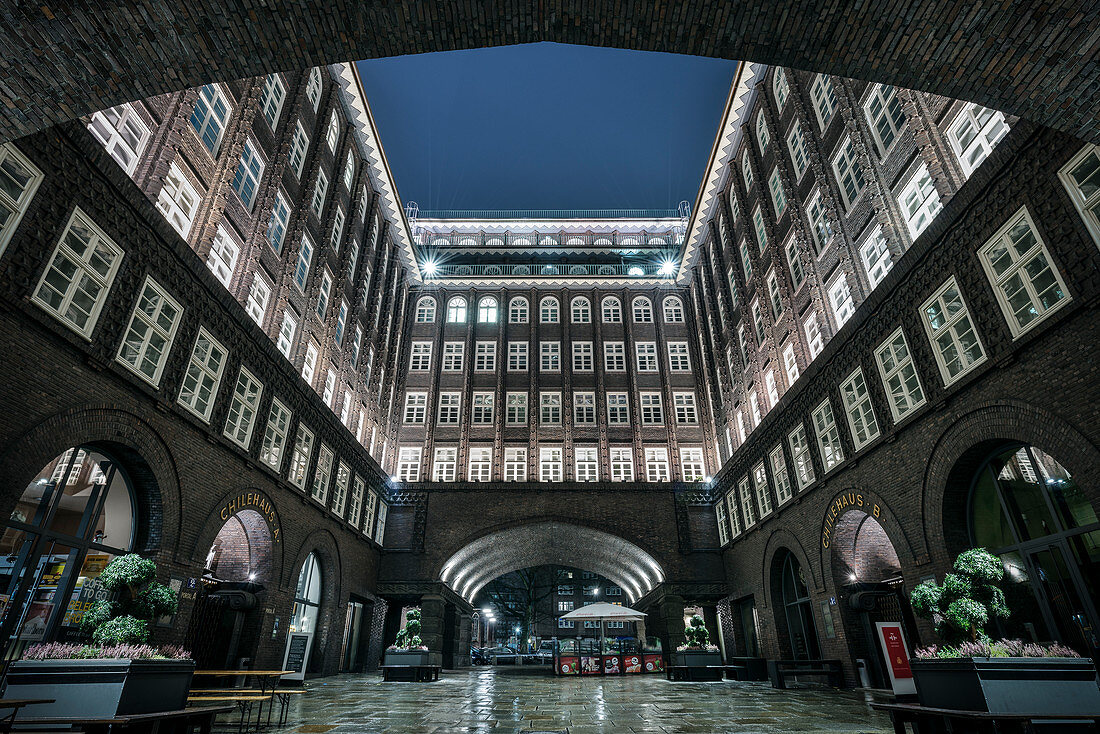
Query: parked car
{"x":544,"y":653}
{"x":502,"y":654}
{"x":478,"y":656}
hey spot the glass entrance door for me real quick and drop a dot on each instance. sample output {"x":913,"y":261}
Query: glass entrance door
{"x":1069,"y":604}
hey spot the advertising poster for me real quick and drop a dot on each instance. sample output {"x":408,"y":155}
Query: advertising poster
{"x":611,"y":665}
{"x":892,"y":640}
{"x":590,"y":665}
{"x":654,"y":663}
{"x":632,"y":663}
{"x":568,"y":666}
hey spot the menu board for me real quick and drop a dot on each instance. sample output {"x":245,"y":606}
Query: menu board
{"x":297,"y":654}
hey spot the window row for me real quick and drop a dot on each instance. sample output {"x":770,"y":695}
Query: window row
{"x":580,"y":310}
{"x":549,"y":356}
{"x":483,"y":408}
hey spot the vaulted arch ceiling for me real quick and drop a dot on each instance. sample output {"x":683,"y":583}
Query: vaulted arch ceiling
{"x":1037,"y":60}
{"x":551,"y":543}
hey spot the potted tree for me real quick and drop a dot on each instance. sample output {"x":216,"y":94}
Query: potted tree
{"x":703,"y":660}
{"x":117,"y":672}
{"x":408,"y":648}
{"x":973,"y":672}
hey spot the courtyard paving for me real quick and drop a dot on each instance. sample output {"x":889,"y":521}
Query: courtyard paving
{"x":501,"y":700}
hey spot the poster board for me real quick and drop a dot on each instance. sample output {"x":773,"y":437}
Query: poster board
{"x":298,"y":646}
{"x":891,"y":639}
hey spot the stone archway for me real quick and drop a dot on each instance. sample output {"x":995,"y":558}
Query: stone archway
{"x":1039,"y":62}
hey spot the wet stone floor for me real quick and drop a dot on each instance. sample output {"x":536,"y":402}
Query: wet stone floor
{"x":502,"y":700}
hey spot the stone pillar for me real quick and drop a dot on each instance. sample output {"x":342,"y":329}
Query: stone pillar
{"x":432,"y":609}
{"x":462,"y":640}
{"x":668,"y":619}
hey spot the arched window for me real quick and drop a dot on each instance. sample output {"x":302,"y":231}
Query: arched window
{"x":74,"y":517}
{"x":1029,"y":510}
{"x":307,"y":602}
{"x":799,"y":612}
{"x":425,"y":310}
{"x":581,"y":310}
{"x":612,"y":310}
{"x":548,"y":310}
{"x":674,"y":310}
{"x":517,"y":310}
{"x":456,"y":310}
{"x":643,"y":310}
{"x":487,"y":310}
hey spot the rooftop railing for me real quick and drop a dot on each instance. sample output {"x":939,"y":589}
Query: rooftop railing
{"x":539,"y":270}
{"x":548,"y":214}
{"x":658,"y":239}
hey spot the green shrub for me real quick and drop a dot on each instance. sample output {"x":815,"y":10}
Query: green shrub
{"x":141,"y":599}
{"x":968,"y":599}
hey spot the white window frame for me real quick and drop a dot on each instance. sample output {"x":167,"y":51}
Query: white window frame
{"x":856,"y":397}
{"x":876,"y":257}
{"x":549,"y":310}
{"x":848,"y":172}
{"x":919,"y":201}
{"x":796,"y":146}
{"x":298,"y":471}
{"x":840,"y":299}
{"x":249,"y":174}
{"x":948,"y":329}
{"x":121,"y":132}
{"x":515,"y":409}
{"x":614,"y":357}
{"x":178,"y":200}
{"x":828,"y":436}
{"x":618,"y":409}
{"x":275,"y":434}
{"x":549,"y":356}
{"x":779,"y":474}
{"x":823,"y":97}
{"x":299,"y":146}
{"x":611,"y":310}
{"x":210,"y":118}
{"x":416,"y":408}
{"x":244,"y":408}
{"x":800,"y":454}
{"x":987,"y":135}
{"x":1087,"y":206}
{"x":20,"y":174}
{"x":207,"y":374}
{"x":515,"y":463}
{"x":156,"y":315}
{"x":904,"y":391}
{"x":449,"y":412}
{"x":287,"y":331}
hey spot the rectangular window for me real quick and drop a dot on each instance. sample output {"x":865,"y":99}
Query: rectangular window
{"x":875,"y":254}
{"x":748,"y":505}
{"x":582,"y":356}
{"x":678,"y":358}
{"x":857,"y":404}
{"x":408,"y":464}
{"x":849,"y":174}
{"x":178,"y":200}
{"x":250,"y":170}
{"x":355,"y":508}
{"x":323,"y":294}
{"x":746,"y":171}
{"x":277,"y":225}
{"x":653,"y":413}
{"x":19,"y":179}
{"x":148,"y":337}
{"x":517,"y":356}
{"x":790,"y":364}
{"x":723,"y":523}
{"x":759,"y":229}
{"x":515,"y":464}
{"x":550,"y":464}
{"x":691,"y":464}
{"x":313,"y":87}
{"x":760,"y":485}
{"x":758,"y":322}
{"x":349,"y":171}
{"x":278,"y":426}
{"x":258,"y":295}
{"x":320,"y":192}
{"x":614,"y":357}
{"x":796,"y":144}
{"x":622,"y":464}
{"x":209,"y":117}
{"x":919,"y":201}
{"x":485,"y":357}
{"x":828,"y":436}
{"x":824,"y":99}
{"x":380,"y":530}
{"x":584,"y":408}
{"x":746,"y":261}
{"x":771,"y":387}
{"x":450,"y":404}
{"x":774,"y":296}
{"x":953,"y":337}
{"x":899,"y":375}
{"x":122,"y":133}
{"x":645,"y":354}
{"x":516,"y":409}
{"x":884,"y":115}
{"x":445,"y":464}
{"x":618,"y":409}
{"x":370,"y":512}
{"x":305,"y":257}
{"x":309,"y":362}
{"x":735,"y":520}
{"x":299,"y":144}
{"x":337,"y":229}
{"x":420,"y":358}
{"x":974,"y":134}
{"x":483,"y":408}
{"x":550,"y":408}
{"x":684,"y":403}
{"x":779,"y":197}
{"x":819,"y":223}
{"x":1081,"y":178}
{"x":332,"y":132}
{"x":243,"y":408}
{"x":416,"y":407}
{"x":794,"y":264}
{"x":779,"y":474}
{"x":813,"y":336}
{"x":800,"y":454}
{"x":754,"y":406}
{"x":222,"y":258}
{"x":340,"y":489}
{"x":299,"y":458}
{"x":271,"y":99}
{"x":550,"y":356}
{"x":743,"y":343}
{"x":587,"y":463}
{"x":656,"y":465}
{"x":322,"y":475}
{"x":840,"y":298}
{"x":287,"y":330}
{"x":1028,"y":285}
{"x":453,"y":353}
{"x":203,"y":375}
{"x":75,"y":285}
{"x":481,"y":464}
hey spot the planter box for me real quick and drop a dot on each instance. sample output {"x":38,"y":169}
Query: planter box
{"x":1009,"y":685}
{"x":695,"y":659}
{"x":406,"y":657}
{"x":101,"y":688}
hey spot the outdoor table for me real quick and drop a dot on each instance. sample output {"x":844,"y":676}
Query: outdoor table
{"x":269,"y":684}
{"x":15,"y":704}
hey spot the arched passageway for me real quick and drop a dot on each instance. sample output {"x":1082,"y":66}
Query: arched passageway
{"x":1037,"y":61}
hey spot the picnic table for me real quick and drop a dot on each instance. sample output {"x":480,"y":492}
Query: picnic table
{"x":928,"y":719}
{"x":245,"y":698}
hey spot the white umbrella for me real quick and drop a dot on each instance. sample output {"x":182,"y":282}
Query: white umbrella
{"x":604,"y":611}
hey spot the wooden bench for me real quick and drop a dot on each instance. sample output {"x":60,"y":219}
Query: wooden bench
{"x":412,"y":673}
{"x":244,"y":702}
{"x":695,"y":672}
{"x":14,"y":705}
{"x":780,"y":670}
{"x":161,"y":722}
{"x":747,"y":668}
{"x":282,"y":694}
{"x":926,"y":719}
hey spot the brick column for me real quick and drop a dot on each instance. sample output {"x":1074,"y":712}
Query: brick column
{"x":431,"y":630}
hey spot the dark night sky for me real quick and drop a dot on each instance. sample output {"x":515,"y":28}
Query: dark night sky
{"x":547,"y":126}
